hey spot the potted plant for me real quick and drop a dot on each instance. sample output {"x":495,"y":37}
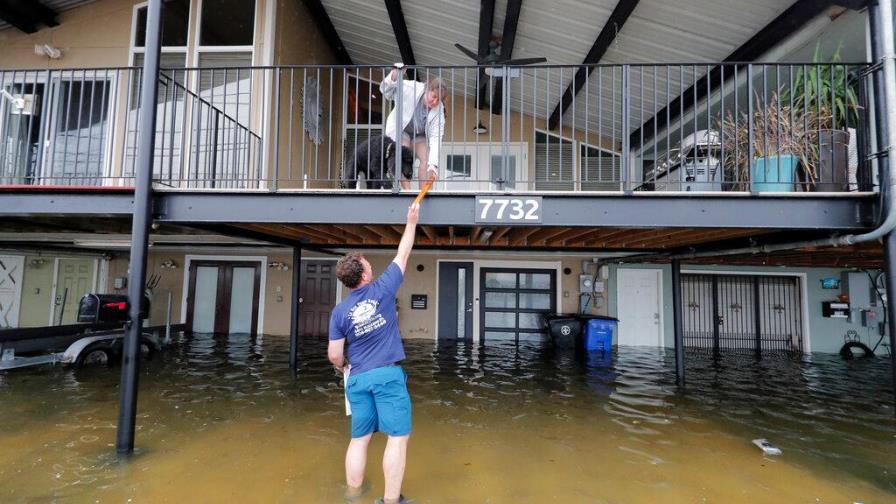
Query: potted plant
{"x":825,"y":89}
{"x":783,"y":140}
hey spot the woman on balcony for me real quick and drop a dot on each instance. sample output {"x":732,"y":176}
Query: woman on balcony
{"x":422,"y":120}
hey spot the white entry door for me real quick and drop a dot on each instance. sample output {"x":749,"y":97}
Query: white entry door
{"x":640,"y":307}
{"x":11,"y":268}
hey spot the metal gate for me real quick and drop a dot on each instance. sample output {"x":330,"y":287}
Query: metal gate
{"x":742,"y":313}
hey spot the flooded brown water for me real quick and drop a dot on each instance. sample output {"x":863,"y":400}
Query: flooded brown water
{"x":224,"y":420}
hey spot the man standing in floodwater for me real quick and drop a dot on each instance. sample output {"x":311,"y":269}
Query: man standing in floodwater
{"x":376,"y":386}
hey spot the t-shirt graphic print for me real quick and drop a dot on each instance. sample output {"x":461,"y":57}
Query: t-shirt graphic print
{"x":368,"y":322}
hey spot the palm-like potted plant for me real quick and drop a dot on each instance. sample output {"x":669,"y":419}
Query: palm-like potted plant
{"x":783,"y":140}
{"x":826,"y":90}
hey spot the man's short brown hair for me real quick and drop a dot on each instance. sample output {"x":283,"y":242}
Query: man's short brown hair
{"x":349,"y":269}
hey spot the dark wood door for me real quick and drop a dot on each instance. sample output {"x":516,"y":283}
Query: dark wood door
{"x":317,"y":297}
{"x":222,"y":297}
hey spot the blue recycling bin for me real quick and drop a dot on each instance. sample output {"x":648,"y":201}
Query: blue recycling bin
{"x":599,"y":333}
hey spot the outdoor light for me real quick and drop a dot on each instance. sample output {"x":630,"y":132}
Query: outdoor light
{"x":278,"y":265}
{"x":479,"y":129}
{"x":486,"y":234}
{"x":168,"y":264}
{"x":47,"y":50}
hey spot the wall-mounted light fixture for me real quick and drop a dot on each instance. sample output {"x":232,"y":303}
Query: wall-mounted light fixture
{"x":168,"y":264}
{"x":37,"y":262}
{"x":48,"y":51}
{"x":480,"y":128}
{"x":278,"y":265}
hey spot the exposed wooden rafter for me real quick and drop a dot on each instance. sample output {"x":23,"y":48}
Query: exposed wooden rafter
{"x":508,"y":38}
{"x":402,"y":37}
{"x":787,"y":23}
{"x":325,"y":25}
{"x":606,"y":36}
{"x":486,"y":22}
{"x":27,"y":15}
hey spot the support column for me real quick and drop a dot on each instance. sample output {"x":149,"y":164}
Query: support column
{"x":890,"y":255}
{"x":880,"y":109}
{"x":757,"y":317}
{"x":142,"y":218}
{"x":295,"y":299}
{"x":676,"y":317}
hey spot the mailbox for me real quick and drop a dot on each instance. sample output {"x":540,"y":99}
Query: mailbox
{"x":834,"y":309}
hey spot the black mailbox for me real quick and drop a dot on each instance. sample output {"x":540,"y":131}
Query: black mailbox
{"x":834,"y":309}
{"x":106,"y":308}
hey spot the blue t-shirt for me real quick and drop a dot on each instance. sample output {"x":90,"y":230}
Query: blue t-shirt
{"x":368,"y":320}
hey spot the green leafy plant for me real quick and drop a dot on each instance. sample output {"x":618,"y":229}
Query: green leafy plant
{"x":778,"y":130}
{"x":825,"y":89}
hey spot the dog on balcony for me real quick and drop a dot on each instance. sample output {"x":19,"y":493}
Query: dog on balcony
{"x":372,"y":165}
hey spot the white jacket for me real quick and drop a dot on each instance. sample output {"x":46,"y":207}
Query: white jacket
{"x":435,"y":118}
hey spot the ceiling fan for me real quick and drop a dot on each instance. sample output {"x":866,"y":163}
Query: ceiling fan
{"x":494,"y":58}
{"x":495,"y":66}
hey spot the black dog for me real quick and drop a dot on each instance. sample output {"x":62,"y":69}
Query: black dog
{"x":373,"y":164}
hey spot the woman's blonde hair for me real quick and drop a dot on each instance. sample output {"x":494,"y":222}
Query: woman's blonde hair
{"x":437,"y":84}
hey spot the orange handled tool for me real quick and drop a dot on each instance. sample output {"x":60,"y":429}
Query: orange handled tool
{"x":426,"y":187}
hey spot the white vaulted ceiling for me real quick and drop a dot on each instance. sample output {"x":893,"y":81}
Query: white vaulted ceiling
{"x":563,"y":31}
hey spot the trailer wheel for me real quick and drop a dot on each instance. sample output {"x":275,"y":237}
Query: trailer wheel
{"x":147,"y":349}
{"x":96,"y":354}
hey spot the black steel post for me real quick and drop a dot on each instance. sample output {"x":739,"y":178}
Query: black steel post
{"x":881,"y":136}
{"x":890,"y":253}
{"x":295,"y":300}
{"x":880,"y":107}
{"x":142,"y":218}
{"x":716,"y":317}
{"x":676,"y":317}
{"x":757,"y":316}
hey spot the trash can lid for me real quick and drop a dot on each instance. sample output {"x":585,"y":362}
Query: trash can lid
{"x":586,"y":316}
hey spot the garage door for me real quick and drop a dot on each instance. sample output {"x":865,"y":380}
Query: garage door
{"x":513,"y":303}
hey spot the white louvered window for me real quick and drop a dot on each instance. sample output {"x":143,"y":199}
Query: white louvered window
{"x":554,"y":163}
{"x":601,"y":169}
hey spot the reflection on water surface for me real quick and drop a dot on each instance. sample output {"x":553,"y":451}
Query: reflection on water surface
{"x":222,"y":419}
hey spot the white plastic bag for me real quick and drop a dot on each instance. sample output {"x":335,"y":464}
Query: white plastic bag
{"x":348,"y":407}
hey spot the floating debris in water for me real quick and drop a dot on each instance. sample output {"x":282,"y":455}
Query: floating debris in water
{"x":766,"y":447}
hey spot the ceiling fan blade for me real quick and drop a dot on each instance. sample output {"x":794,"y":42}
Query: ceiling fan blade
{"x":524,"y":61}
{"x":469,"y":53}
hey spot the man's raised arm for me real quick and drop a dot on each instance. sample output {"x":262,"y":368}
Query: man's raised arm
{"x":407,"y":238}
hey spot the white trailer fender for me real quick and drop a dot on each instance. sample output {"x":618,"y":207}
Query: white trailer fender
{"x":74,"y":350}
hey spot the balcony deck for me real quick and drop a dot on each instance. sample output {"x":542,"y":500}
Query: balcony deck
{"x":277,"y":154}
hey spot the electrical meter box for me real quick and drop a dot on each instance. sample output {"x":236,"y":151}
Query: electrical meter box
{"x":586,"y":283}
{"x":857,"y":286}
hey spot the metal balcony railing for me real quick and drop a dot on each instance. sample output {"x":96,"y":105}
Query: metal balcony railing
{"x":646,"y":127}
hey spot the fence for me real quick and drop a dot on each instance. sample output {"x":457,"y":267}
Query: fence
{"x":647,"y":127}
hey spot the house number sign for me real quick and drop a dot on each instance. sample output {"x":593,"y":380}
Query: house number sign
{"x":508,"y":210}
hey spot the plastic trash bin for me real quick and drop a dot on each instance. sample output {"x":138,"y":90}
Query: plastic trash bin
{"x":599,"y":333}
{"x":566,"y":330}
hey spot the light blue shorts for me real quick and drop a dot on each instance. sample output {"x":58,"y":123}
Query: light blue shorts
{"x":380,"y":402}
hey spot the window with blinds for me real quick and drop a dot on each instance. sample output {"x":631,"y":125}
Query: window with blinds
{"x":554,"y":163}
{"x":601,"y":169}
{"x":226,"y":82}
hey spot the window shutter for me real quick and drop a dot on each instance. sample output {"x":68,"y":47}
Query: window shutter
{"x":600,"y":170}
{"x":554,"y":163}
